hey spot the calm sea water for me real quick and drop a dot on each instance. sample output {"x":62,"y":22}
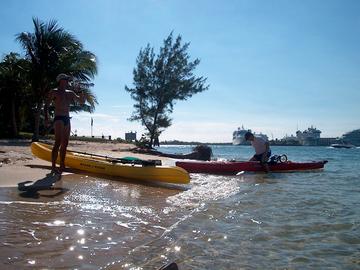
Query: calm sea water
{"x":307,"y":220}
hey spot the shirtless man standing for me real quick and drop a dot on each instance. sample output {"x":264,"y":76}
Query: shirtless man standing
{"x":62,"y":99}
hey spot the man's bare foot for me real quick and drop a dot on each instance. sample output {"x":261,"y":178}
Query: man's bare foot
{"x":62,"y":169}
{"x":55,"y":171}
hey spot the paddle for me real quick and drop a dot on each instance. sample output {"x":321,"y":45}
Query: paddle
{"x":127,"y":160}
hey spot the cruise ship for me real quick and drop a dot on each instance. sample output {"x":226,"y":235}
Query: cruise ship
{"x":239,"y":136}
{"x":352,"y":137}
{"x":311,"y":136}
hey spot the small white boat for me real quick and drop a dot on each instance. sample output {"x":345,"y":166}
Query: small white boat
{"x":342,"y":145}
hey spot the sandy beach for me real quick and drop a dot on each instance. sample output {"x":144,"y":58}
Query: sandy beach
{"x":17,"y":164}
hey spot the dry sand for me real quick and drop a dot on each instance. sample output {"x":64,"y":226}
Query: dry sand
{"x":17,"y":164}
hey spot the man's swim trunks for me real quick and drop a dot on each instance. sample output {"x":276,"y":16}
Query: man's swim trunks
{"x":64,"y":118}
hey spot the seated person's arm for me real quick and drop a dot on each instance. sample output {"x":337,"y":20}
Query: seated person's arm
{"x":267,"y":146}
{"x":265,"y":155}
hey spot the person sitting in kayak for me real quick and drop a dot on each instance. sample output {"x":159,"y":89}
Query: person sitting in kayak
{"x":262,"y":149}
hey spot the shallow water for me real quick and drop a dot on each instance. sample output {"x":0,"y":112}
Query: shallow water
{"x":286,"y":221}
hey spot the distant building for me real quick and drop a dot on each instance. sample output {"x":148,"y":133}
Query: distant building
{"x":130,"y":136}
{"x":327,"y":141}
{"x":290,"y":139}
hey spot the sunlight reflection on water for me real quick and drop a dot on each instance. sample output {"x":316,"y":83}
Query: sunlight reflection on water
{"x":295,"y":220}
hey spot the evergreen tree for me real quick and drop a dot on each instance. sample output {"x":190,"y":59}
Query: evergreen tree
{"x":159,"y":81}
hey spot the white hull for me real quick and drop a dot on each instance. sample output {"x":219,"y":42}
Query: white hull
{"x":238,"y":141}
{"x":239,"y":136}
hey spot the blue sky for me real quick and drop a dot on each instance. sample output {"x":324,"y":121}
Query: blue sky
{"x":272,"y":66}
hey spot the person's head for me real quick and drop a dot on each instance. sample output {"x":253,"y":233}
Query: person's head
{"x":249,"y":136}
{"x":63,"y":79}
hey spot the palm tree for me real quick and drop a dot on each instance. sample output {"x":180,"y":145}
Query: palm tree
{"x":52,"y":50}
{"x":13,"y":86}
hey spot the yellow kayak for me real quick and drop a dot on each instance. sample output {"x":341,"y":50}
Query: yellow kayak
{"x":110,"y":166}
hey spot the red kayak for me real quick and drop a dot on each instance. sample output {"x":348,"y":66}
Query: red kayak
{"x":233,"y":167}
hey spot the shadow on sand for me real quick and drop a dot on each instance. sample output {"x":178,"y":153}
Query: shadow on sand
{"x":31,"y":189}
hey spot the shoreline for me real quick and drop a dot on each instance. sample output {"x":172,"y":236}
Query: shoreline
{"x":17,"y":164}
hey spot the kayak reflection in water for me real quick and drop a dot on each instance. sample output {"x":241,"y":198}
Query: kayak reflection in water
{"x":262,"y":150}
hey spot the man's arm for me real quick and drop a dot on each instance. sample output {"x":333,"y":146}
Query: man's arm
{"x":264,"y":157}
{"x":48,"y":100}
{"x":79,"y":98}
{"x":50,"y":96}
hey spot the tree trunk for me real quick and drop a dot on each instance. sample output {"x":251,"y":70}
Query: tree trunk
{"x":13,"y":119}
{"x":153,"y":129}
{"x":37,"y":123}
{"x":46,"y":118}
{"x":151,"y":139}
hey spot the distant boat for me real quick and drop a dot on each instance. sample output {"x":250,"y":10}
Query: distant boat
{"x":342,"y":145}
{"x":239,"y":136}
{"x":352,"y":137}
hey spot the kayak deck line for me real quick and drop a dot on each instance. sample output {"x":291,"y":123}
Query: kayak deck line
{"x":133,"y":161}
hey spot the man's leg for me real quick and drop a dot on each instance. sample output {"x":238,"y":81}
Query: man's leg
{"x":266,"y":167}
{"x":58,"y":127}
{"x":64,"y":144}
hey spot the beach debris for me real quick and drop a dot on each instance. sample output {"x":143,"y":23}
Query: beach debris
{"x":12,"y":157}
{"x":170,"y":266}
{"x":199,"y":152}
{"x":5,"y":160}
